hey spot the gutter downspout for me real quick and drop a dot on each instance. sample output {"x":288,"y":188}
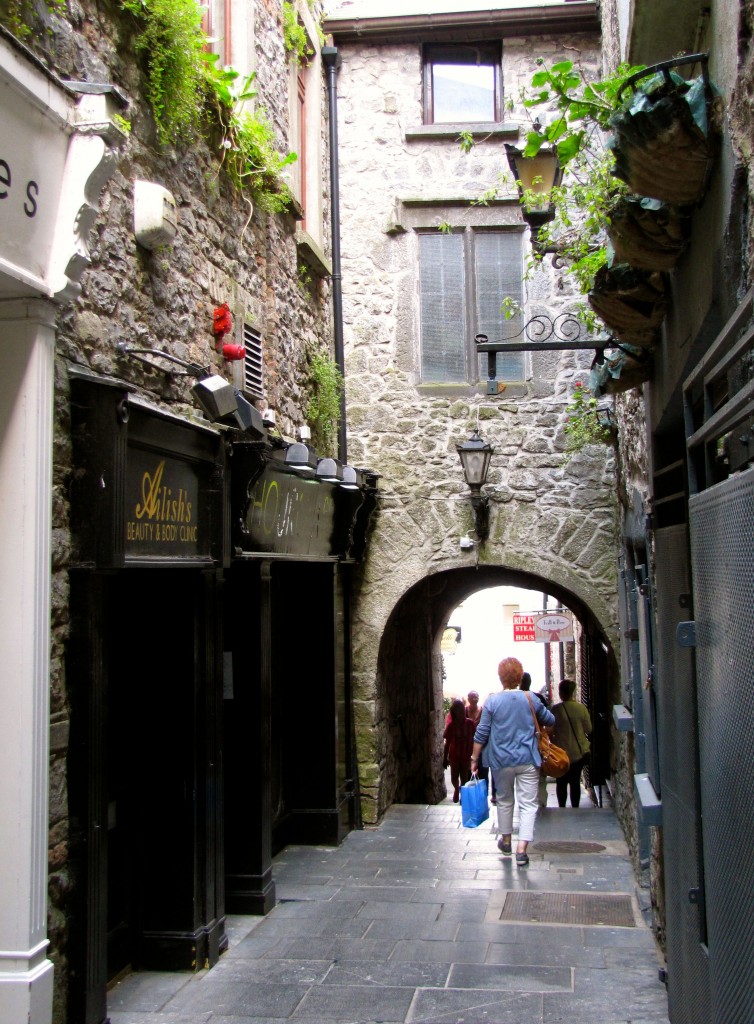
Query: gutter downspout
{"x":332,"y":60}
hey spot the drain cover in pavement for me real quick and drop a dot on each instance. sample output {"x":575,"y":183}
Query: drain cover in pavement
{"x":568,"y":908}
{"x":568,"y":846}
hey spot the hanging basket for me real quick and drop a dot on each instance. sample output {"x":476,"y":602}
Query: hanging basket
{"x":631,"y":302}
{"x":648,"y":234}
{"x":661,"y":140}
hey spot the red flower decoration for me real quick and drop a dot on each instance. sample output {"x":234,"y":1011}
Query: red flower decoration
{"x":222,"y":322}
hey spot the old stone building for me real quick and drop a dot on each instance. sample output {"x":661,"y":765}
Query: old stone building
{"x":686,"y":512}
{"x":166,"y":326}
{"x":426,"y":267}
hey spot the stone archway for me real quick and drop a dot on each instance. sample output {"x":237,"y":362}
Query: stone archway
{"x":408,"y":710}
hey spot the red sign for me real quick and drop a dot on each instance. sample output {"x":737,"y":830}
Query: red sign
{"x":523,"y":628}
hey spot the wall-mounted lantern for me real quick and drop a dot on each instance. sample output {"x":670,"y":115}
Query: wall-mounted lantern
{"x":475,"y":455}
{"x":535,"y":177}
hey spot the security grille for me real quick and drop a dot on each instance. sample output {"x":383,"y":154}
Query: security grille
{"x":718,"y":398}
{"x":253,"y":364}
{"x":685,"y":922}
{"x":722,"y":549}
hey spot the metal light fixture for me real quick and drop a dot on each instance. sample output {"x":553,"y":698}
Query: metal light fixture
{"x":536,"y":177}
{"x":352,"y":477}
{"x":222,"y":403}
{"x":330,"y":471}
{"x":605,"y":412}
{"x":475,"y":455}
{"x":301,"y":458}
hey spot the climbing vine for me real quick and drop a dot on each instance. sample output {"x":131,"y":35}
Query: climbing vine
{"x":323,"y":412}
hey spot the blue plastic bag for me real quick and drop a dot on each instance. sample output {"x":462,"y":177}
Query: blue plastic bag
{"x":474,"y":808}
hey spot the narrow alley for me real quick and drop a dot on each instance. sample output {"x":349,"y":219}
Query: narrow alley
{"x":422,"y":920}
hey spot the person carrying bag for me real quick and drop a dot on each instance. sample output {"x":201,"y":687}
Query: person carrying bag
{"x":572,"y":726}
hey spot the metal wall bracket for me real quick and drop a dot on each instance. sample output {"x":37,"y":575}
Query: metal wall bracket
{"x":685,"y":634}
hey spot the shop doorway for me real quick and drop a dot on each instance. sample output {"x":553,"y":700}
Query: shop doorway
{"x":149,"y":755}
{"x":144,"y":772}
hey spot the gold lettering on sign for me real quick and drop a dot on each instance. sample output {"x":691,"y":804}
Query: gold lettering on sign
{"x":158,"y":501}
{"x":162,"y":516}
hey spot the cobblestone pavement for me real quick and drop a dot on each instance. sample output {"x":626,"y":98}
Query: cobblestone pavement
{"x":423,"y":921}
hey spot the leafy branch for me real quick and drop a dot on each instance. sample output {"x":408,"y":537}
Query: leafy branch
{"x":248,"y":154}
{"x":583,"y":426}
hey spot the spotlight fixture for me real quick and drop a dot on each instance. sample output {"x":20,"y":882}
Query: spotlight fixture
{"x":222,"y":403}
{"x":301,"y":458}
{"x":330,"y":471}
{"x":351,"y":478}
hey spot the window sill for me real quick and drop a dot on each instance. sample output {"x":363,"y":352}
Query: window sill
{"x":310,"y":252}
{"x":479,"y":132}
{"x":512,"y":390}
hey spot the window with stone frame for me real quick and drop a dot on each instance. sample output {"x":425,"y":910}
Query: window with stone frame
{"x":462,"y":83}
{"x":305,"y":92}
{"x":228,"y":25}
{"x":464,"y":277}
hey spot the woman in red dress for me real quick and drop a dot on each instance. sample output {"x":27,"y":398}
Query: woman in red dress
{"x":458,"y":740}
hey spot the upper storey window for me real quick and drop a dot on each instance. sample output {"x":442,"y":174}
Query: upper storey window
{"x":462,"y":83}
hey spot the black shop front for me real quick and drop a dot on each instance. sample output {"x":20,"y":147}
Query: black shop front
{"x":289,"y":747}
{"x":208,"y":674}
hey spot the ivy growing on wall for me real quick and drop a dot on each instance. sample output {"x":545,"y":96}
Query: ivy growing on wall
{"x":323,"y":412}
{"x":191,"y":95}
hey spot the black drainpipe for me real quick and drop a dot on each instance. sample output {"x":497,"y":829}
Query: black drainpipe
{"x":332,"y":59}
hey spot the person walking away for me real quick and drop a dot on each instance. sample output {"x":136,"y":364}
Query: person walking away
{"x":525,"y":685}
{"x":474,"y":713}
{"x":572,"y":726}
{"x":507,"y":729}
{"x":458,"y":739}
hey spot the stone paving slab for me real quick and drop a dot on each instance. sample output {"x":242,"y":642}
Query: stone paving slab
{"x":511,"y":979}
{"x":401,"y":925}
{"x":349,"y":1002}
{"x":450,"y":1006}
{"x":401,"y":974}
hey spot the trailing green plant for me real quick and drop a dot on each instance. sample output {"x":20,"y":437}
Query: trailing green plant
{"x":170,"y":40}
{"x":583,"y":426}
{"x":248,"y":141}
{"x":192,"y":95}
{"x":323,"y":412}
{"x":294,"y":34}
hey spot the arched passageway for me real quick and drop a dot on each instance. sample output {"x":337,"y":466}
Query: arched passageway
{"x":409,"y":717}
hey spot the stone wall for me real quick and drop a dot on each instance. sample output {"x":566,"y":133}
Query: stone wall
{"x":550,"y":517}
{"x":164,"y":300}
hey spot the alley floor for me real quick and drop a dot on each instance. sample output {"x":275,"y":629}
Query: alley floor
{"x":422,"y":921}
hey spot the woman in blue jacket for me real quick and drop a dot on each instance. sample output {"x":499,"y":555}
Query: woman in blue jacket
{"x":506,"y":729}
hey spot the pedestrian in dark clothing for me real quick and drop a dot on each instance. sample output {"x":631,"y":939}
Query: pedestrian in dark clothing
{"x":573,"y":725}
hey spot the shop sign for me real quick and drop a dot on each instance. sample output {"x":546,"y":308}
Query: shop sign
{"x":523,"y":628}
{"x":543,"y":627}
{"x":162,"y":507}
{"x":33,"y":154}
{"x":288,"y":515}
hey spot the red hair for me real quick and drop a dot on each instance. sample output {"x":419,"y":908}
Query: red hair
{"x":510,"y":671}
